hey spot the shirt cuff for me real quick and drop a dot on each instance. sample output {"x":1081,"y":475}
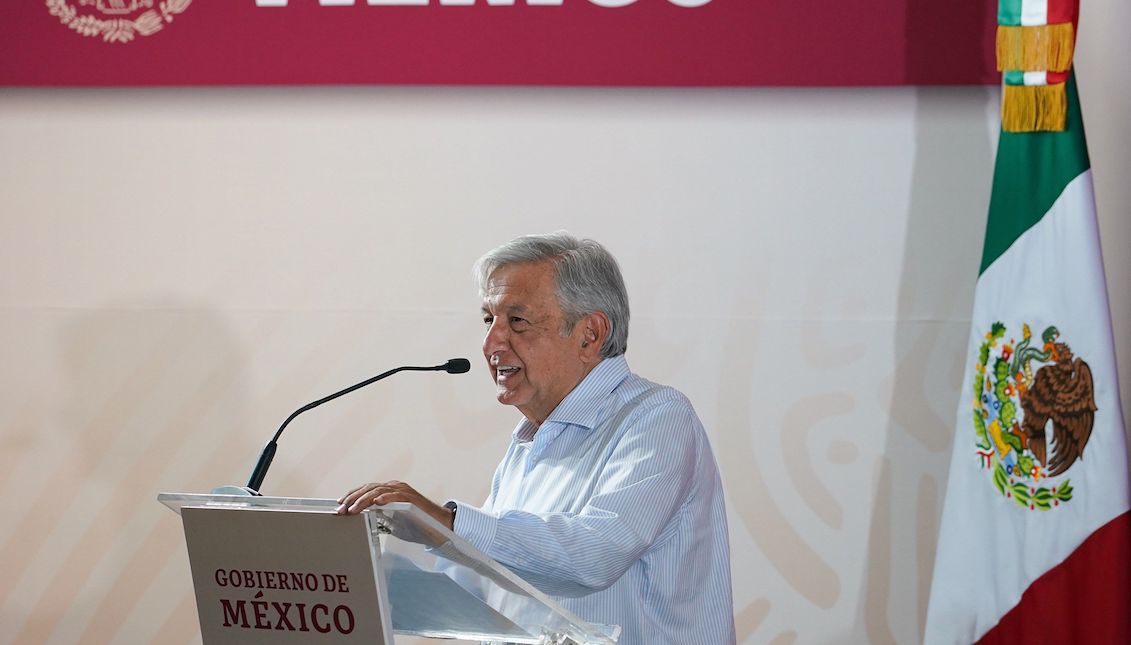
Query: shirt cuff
{"x":474,"y":525}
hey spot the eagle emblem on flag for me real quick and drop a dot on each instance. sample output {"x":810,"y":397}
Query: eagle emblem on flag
{"x":116,"y":21}
{"x":1034,"y":407}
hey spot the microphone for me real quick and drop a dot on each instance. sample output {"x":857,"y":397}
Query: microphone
{"x":457,"y":366}
{"x":453,"y":366}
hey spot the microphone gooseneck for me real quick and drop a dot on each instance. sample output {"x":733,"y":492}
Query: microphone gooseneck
{"x":453,"y":366}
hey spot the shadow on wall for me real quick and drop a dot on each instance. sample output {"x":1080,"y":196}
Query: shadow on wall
{"x":154,"y":396}
{"x":949,"y":197}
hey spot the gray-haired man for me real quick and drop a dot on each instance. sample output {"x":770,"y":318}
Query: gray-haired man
{"x":608,"y":497}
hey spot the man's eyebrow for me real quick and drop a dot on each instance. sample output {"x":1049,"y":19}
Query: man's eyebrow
{"x":515,"y":308}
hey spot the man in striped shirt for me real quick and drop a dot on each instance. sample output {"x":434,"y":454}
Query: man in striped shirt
{"x":608,"y":497}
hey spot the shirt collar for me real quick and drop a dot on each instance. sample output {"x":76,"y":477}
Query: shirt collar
{"x":585,"y":405}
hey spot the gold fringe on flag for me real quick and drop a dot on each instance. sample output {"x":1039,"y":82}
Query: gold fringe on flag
{"x":1033,"y":108}
{"x":1035,"y":49}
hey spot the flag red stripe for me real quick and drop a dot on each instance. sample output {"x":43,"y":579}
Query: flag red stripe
{"x":1085,"y":599}
{"x":1063,"y":11}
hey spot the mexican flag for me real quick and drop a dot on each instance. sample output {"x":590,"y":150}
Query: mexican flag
{"x":1035,"y":540}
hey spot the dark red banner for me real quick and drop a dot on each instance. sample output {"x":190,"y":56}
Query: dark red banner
{"x":497,"y":42}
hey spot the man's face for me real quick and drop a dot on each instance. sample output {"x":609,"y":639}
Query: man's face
{"x":534,"y":366}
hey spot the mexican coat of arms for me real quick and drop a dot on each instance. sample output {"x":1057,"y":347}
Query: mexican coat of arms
{"x":1034,"y":406}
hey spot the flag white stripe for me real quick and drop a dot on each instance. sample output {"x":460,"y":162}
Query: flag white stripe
{"x":1034,"y":12}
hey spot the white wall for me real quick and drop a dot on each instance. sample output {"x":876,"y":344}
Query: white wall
{"x":183,"y":267}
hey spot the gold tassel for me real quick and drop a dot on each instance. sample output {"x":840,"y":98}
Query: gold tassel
{"x":1034,"y":108}
{"x":1035,"y":49}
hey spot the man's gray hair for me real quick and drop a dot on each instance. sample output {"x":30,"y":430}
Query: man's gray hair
{"x":587,"y":276}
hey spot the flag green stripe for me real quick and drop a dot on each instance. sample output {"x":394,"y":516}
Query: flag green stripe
{"x":1009,"y":12}
{"x":1014,"y":77}
{"x":1031,"y":171}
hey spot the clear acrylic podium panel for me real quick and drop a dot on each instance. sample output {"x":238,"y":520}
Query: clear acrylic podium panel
{"x":439,"y":585}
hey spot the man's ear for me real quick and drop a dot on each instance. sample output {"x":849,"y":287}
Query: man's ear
{"x":595,"y":330}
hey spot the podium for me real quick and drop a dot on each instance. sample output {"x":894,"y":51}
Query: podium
{"x":291,"y":570}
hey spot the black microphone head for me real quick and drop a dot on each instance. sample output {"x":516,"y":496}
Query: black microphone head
{"x":457,"y":366}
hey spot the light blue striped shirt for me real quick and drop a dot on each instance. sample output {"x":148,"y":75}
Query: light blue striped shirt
{"x":615,"y":508}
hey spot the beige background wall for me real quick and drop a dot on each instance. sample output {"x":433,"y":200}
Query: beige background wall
{"x":183,"y":267}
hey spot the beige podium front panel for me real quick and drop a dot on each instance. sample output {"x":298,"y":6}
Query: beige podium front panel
{"x":269,"y":576}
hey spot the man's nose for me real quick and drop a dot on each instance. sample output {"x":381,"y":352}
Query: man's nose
{"x":496,"y":338}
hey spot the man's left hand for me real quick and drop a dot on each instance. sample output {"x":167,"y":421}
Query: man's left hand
{"x":362,"y":497}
